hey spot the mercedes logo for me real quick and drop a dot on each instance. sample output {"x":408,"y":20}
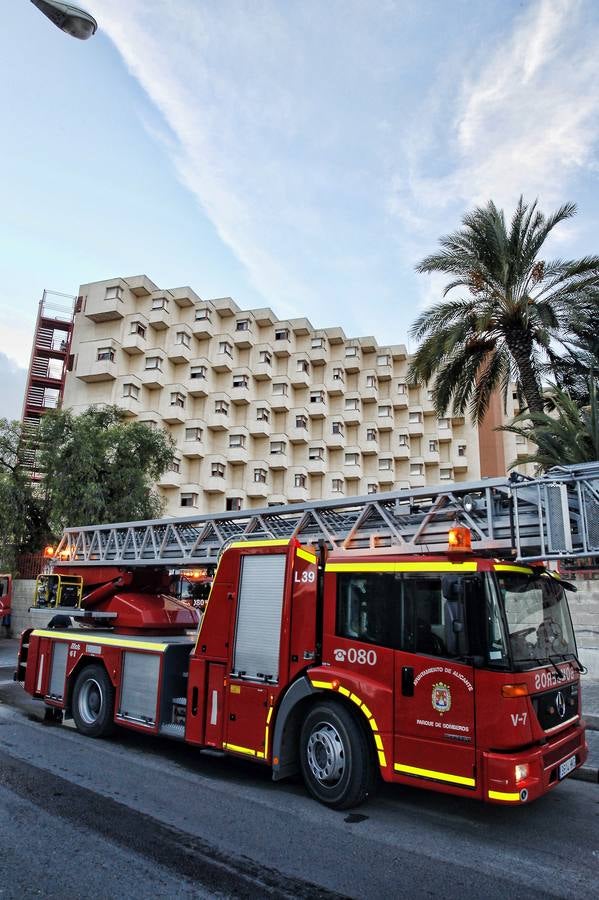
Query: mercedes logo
{"x":560,"y":704}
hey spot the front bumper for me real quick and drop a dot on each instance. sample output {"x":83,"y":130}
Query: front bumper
{"x":499,"y":769}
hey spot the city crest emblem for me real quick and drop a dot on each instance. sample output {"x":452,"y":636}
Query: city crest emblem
{"x":441,"y":697}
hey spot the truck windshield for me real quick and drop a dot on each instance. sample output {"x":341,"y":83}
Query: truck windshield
{"x":537,"y":615}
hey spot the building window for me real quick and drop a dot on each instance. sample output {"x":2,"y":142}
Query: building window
{"x":337,"y":428}
{"x":280,"y":388}
{"x":178,"y":399}
{"x":260,"y":476}
{"x":385,"y":465}
{"x":371,"y":381}
{"x":277,"y":447}
{"x":193,"y":434}
{"x":352,"y":459}
{"x":351,"y":352}
{"x":221,"y":407}
{"x":242,"y":325}
{"x":402,"y":440}
{"x":371,"y":434}
{"x":429,"y":396}
{"x":352,"y":403}
{"x":154,"y":362}
{"x":384,"y":411}
{"x":281,"y":334}
{"x":241,"y":381}
{"x":315,"y":453}
{"x":237,"y":440}
{"x":317,"y":343}
{"x":175,"y":466}
{"x":442,"y":424}
{"x":198,"y":372}
{"x":233,"y":504}
{"x":401,"y":388}
{"x":115,"y":292}
{"x":265,"y":357}
{"x":301,"y":422}
{"x":372,"y":488}
{"x":217,"y":470}
{"x":203,"y":314}
{"x":131,"y":390}
{"x":445,"y":474}
{"x":105,"y":353}
{"x":303,"y":365}
{"x":262,"y":414}
{"x":139,"y":328}
{"x":337,"y":485}
{"x":383,"y":360}
{"x":299,"y":481}
{"x":520,"y":439}
{"x":432,"y":446}
{"x":462,"y":448}
{"x":226,"y":348}
{"x":317,"y":397}
{"x":338,"y":375}
{"x":181,"y":337}
{"x":414,"y":418}
{"x":160,"y":303}
{"x":415,"y":468}
{"x":189,"y":499}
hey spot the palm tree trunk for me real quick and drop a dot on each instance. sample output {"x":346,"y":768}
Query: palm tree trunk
{"x":521,"y":350}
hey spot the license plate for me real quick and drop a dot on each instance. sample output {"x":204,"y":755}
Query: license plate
{"x":566,"y":767}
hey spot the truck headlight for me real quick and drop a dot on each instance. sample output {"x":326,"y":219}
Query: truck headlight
{"x":521,"y":772}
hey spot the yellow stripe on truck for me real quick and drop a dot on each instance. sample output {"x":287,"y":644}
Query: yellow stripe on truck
{"x":499,"y":795}
{"x":329,"y":686}
{"x":279,"y":542}
{"x":437,"y":776}
{"x":440,"y":566}
{"x":304,"y":554}
{"x":91,"y":638}
{"x":504,"y":567}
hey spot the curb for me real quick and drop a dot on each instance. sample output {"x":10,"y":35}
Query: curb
{"x":586,"y":773}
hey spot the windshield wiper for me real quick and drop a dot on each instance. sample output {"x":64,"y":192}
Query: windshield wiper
{"x":546,"y":659}
{"x":582,"y":670}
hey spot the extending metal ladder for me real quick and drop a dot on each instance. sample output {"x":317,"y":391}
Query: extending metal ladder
{"x":551,"y":517}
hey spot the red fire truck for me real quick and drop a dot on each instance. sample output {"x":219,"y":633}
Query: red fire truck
{"x":413,"y":636}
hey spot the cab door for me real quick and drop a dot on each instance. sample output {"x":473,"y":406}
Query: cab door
{"x":434,"y":690}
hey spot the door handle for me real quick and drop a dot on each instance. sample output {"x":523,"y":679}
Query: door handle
{"x":407,"y":681}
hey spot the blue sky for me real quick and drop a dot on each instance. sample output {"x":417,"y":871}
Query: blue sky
{"x":299,"y":154}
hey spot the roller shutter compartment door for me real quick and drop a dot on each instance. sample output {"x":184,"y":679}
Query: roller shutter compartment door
{"x":259,"y":610}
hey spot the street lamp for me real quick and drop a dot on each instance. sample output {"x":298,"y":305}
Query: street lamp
{"x":68,"y":18}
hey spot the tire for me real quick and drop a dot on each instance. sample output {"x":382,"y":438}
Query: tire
{"x":93,"y":702}
{"x":335,"y":757}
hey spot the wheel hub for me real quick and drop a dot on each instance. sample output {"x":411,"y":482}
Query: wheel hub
{"x":90,"y":701}
{"x":326,"y":755}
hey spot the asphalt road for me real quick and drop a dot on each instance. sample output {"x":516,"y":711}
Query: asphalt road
{"x":138,"y":817}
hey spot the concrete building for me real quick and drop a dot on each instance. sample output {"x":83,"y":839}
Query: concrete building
{"x":266,"y":411}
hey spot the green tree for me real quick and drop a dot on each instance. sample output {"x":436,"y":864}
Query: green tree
{"x":23,"y":523}
{"x":567,"y":435}
{"x":516,"y":304}
{"x":100,"y":468}
{"x":578,"y":362}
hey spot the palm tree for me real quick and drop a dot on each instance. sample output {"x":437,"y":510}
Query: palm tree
{"x":516,"y":304}
{"x":572,"y":369}
{"x":567,"y":435}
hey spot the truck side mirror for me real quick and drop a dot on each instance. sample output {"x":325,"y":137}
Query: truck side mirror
{"x":457,"y":626}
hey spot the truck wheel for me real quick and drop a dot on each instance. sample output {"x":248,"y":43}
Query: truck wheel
{"x":93,"y":702}
{"x":335,"y":757}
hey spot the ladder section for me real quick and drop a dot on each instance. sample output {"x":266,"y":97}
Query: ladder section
{"x":545,"y":518}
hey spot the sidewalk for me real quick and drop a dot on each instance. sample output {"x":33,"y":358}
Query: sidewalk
{"x":590,"y":705}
